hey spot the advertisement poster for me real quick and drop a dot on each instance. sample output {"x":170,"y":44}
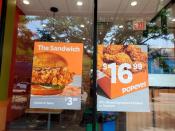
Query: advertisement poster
{"x":56,"y":75}
{"x":122,"y":78}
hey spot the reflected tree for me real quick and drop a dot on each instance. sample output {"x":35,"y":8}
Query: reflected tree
{"x":65,"y":29}
{"x":25,"y":39}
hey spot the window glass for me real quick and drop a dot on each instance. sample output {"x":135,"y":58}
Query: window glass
{"x":49,"y":21}
{"x":129,"y":32}
{"x":118,"y":24}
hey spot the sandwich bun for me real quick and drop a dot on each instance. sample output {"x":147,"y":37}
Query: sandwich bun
{"x":40,"y":90}
{"x":47,"y":59}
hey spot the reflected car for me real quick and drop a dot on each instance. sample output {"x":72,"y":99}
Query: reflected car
{"x":21,"y":87}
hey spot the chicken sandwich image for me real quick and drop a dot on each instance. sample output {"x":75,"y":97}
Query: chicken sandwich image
{"x":50,"y":74}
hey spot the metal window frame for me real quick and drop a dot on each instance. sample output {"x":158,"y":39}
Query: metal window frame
{"x":2,"y":28}
{"x":95,"y":65}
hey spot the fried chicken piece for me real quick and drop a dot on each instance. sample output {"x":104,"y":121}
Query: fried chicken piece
{"x":132,"y":48}
{"x":142,"y":56}
{"x":44,"y":78}
{"x":100,"y":57}
{"x":121,"y":58}
{"x":107,"y":58}
{"x":54,"y":76}
{"x":35,"y":75}
{"x":100,"y":49}
{"x":118,"y":58}
{"x":136,"y":54}
{"x":54,"y":81}
{"x":113,"y":49}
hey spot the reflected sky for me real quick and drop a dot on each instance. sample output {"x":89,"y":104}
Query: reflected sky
{"x":35,"y":25}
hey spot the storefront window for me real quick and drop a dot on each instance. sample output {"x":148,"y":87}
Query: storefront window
{"x":51,"y":90}
{"x":122,"y":24}
{"x":57,"y":22}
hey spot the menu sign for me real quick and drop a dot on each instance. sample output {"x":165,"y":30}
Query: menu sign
{"x":56,"y":75}
{"x":122,"y":78}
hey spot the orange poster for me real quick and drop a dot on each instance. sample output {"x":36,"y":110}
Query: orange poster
{"x":56,"y":75}
{"x":122,"y":72}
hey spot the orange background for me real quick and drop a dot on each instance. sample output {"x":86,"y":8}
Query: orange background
{"x":74,"y":59}
{"x":115,"y":90}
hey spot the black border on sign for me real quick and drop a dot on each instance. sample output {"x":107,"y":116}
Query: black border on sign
{"x":2,"y":28}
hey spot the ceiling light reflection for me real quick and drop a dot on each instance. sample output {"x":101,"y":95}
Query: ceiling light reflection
{"x":26,"y":2}
{"x":133,"y":3}
{"x":121,"y":26}
{"x":82,"y":26}
{"x":79,"y":3}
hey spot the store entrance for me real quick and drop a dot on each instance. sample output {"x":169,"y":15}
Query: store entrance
{"x":50,"y":85}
